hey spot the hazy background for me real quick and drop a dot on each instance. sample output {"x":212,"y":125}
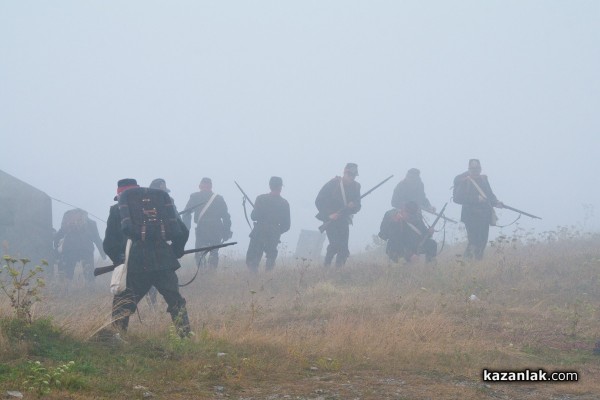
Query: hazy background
{"x":92,"y":92}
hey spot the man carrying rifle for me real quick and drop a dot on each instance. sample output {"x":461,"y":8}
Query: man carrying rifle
{"x":271,"y":216}
{"x":151,"y":260}
{"x":406,"y":234}
{"x":472,"y":190}
{"x":337,"y":201}
{"x":213,"y":223}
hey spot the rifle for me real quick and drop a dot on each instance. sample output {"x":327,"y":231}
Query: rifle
{"x":521,"y":212}
{"x":426,"y":235}
{"x":246,"y":198}
{"x":442,"y":216}
{"x":326,"y":223}
{"x":109,"y":268}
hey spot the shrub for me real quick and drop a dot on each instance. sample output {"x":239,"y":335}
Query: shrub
{"x":21,"y":286}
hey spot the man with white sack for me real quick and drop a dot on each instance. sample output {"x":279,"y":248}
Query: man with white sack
{"x":148,"y":219}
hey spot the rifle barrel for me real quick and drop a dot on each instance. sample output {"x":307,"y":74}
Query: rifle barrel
{"x":109,"y":268}
{"x":376,"y":186}
{"x":426,"y":235}
{"x":442,"y":216}
{"x":521,"y":212}
{"x":209,"y":248}
{"x":244,"y":193}
{"x":326,"y":223}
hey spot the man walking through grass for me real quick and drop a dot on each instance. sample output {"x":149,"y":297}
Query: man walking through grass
{"x":213,"y":223}
{"x":271,"y":216}
{"x":337,"y":201}
{"x":151,"y":260}
{"x":472,"y":190}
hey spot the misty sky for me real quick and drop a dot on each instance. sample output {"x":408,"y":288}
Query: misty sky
{"x":91,"y":92}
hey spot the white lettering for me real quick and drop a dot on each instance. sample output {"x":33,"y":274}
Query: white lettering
{"x":529,"y":375}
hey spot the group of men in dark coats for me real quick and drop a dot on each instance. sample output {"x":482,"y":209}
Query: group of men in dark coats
{"x":153,"y":263}
{"x":403,"y":226}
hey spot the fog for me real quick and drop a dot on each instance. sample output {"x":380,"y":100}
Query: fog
{"x":92,"y":92}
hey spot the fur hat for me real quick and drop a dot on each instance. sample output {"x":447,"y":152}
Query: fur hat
{"x":125,"y":184}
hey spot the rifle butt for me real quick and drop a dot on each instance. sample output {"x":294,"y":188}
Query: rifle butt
{"x":103,"y":270}
{"x":324,"y":226}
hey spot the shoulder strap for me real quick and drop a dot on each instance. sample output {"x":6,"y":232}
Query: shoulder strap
{"x":343,"y":192}
{"x":208,"y":203}
{"x":481,"y":192}
{"x":414,"y":228}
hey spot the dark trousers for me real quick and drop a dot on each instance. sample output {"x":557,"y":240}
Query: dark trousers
{"x":138,"y":284}
{"x":68,"y":260}
{"x":206,"y":238}
{"x":478,"y":231}
{"x":429,"y":249}
{"x":338,"y":234}
{"x":259,"y":245}
{"x":396,"y":248}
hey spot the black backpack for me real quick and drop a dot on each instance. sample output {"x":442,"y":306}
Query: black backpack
{"x":148,"y":214}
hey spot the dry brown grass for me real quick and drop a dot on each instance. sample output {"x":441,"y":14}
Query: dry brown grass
{"x":537,"y":307}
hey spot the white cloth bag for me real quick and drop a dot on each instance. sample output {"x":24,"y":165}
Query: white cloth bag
{"x":118,"y":281}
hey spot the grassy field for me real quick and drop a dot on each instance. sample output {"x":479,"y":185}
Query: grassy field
{"x":371,"y":330}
